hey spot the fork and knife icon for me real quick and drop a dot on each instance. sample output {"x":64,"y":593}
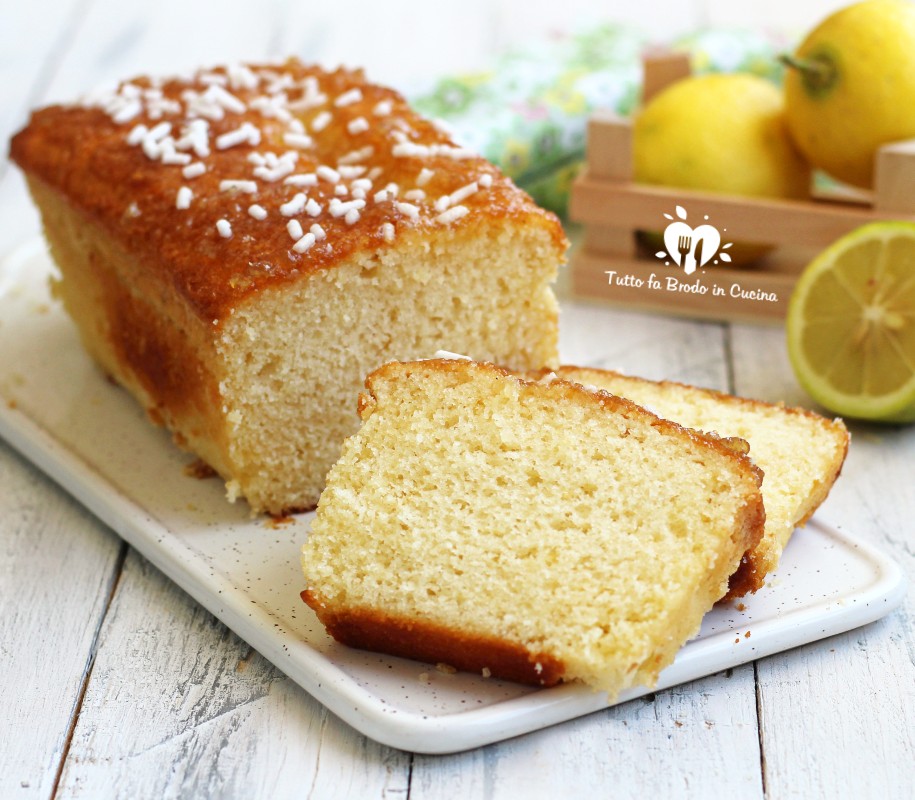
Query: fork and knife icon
{"x":684,"y":246}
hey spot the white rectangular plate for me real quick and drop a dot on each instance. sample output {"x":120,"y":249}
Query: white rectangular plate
{"x":94,"y":440}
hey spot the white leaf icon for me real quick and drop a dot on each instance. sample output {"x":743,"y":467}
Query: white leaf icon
{"x":724,"y":257}
{"x":681,"y":212}
{"x":729,"y":244}
{"x":668,"y":216}
{"x":661,"y":254}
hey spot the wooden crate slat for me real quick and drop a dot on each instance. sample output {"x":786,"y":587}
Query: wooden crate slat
{"x":778,"y":222}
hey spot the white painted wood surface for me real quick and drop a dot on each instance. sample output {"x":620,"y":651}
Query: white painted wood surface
{"x":118,"y":685}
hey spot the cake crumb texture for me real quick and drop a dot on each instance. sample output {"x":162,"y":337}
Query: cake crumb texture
{"x":800,"y":452}
{"x":538,"y":531}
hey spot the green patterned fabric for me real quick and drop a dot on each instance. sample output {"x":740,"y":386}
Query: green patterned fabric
{"x":528,"y":113}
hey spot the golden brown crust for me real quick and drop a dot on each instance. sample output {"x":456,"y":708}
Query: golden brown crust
{"x":83,"y":153}
{"x":370,"y":629}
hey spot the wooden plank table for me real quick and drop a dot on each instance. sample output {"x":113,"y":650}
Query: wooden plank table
{"x":116,"y":684}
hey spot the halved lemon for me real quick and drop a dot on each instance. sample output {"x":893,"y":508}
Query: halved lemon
{"x":851,"y":324}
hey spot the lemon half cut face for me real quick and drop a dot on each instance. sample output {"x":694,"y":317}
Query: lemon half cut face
{"x":851,"y":324}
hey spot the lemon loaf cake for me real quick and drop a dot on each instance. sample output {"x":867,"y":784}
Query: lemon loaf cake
{"x":239,"y":247}
{"x":535,"y":530}
{"x":799,"y":452}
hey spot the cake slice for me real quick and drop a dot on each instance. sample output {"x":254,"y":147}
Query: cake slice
{"x":240,"y":246}
{"x":800,"y":453}
{"x":535,"y":531}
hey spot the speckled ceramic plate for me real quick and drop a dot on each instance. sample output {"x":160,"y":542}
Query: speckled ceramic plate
{"x":95,"y":441}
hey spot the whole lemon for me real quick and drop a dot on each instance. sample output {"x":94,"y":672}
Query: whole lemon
{"x":720,"y":133}
{"x":852,"y":87}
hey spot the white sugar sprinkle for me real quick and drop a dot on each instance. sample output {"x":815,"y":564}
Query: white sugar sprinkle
{"x":273,"y":107}
{"x":208,"y":78}
{"x":194,"y":170}
{"x":183,"y":199}
{"x":349,"y":172}
{"x":157,"y":134}
{"x":305,"y":179}
{"x":169,"y":156}
{"x":452,"y":214}
{"x":328,"y":174}
{"x":127,"y":111}
{"x":355,"y":156}
{"x":381,"y":196}
{"x":273,"y":168}
{"x":137,"y":134}
{"x":407,"y":209}
{"x":195,"y":136}
{"x":312,"y":96}
{"x":413,"y":150}
{"x":464,"y":192}
{"x":216,"y":94}
{"x":280,"y":83}
{"x":294,"y":206}
{"x":197,"y":104}
{"x":425,"y":175}
{"x":305,"y":243}
{"x":224,"y":228}
{"x":442,"y":126}
{"x":417,"y":195}
{"x":300,"y":140}
{"x":340,"y":190}
{"x":362,"y":183}
{"x":383,"y":108}
{"x":351,"y":217}
{"x":312,"y":208}
{"x":485,"y":180}
{"x":358,"y":125}
{"x":387,"y":231}
{"x":248,"y":187}
{"x":295,"y":229}
{"x":358,"y":193}
{"x":242,"y":77}
{"x":348,"y":98}
{"x":258,"y":212}
{"x":246,"y":134}
{"x":318,"y":231}
{"x":321,"y":121}
{"x":338,"y":208}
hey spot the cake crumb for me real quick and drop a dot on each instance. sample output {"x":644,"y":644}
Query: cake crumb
{"x":199,"y":469}
{"x":277,"y":522}
{"x":487,"y":672}
{"x":424,"y":677}
{"x":446,"y":668}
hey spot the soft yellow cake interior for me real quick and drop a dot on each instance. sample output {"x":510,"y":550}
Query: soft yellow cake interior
{"x":535,"y":530}
{"x":800,"y":453}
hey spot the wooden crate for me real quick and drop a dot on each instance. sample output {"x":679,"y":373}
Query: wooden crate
{"x":609,"y":264}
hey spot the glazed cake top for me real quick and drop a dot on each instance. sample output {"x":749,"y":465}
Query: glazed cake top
{"x":243,"y":177}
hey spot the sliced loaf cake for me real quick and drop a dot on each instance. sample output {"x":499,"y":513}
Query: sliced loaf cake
{"x":799,"y":452}
{"x":535,"y":530}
